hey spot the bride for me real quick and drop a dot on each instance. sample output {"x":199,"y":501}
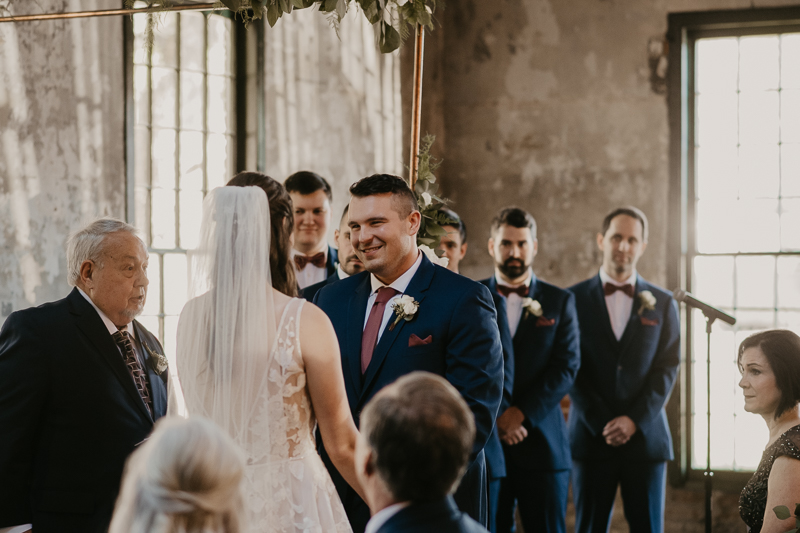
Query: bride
{"x":264,"y":365}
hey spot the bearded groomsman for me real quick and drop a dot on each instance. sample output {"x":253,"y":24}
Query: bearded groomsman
{"x":454,"y":246}
{"x":406,"y":314}
{"x":630,"y":354}
{"x":544,"y":328}
{"x":314,"y":259}
{"x":349,"y":263}
{"x":81,"y":384}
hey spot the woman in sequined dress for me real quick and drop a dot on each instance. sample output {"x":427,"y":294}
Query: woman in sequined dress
{"x":770,"y":365}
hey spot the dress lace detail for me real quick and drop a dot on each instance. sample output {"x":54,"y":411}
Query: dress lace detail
{"x":753,"y":500}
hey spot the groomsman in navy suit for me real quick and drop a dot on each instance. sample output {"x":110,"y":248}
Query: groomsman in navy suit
{"x":454,"y":246}
{"x":630,"y":339}
{"x":406,"y":314}
{"x":544,"y":328}
{"x":348,"y":265}
{"x":314,"y":259}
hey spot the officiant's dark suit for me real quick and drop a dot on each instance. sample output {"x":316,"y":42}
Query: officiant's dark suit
{"x":70,"y":414}
{"x":626,"y":376}
{"x":453,"y":333}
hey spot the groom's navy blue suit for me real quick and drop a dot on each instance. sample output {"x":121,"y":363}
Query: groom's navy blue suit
{"x":457,"y":322}
{"x":632,"y":376}
{"x":70,"y":415}
{"x":546,"y":360}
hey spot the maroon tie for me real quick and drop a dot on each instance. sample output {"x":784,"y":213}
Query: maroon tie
{"x":134,"y":368}
{"x":505,"y":290}
{"x":370,"y":336}
{"x":318,"y":260}
{"x":610,"y":288}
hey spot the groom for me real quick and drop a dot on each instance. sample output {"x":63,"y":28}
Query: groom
{"x":450,"y":329}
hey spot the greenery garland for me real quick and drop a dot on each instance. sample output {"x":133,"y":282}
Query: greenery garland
{"x":430,"y":203}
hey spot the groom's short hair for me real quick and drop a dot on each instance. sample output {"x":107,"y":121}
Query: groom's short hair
{"x":404,"y":201}
{"x":421,"y":432}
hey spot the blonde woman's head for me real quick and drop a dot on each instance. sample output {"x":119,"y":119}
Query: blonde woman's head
{"x":187,"y":478}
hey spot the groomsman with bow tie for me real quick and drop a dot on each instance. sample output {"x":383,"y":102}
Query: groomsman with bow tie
{"x":630,"y":337}
{"x":314,"y":259}
{"x":544,"y":327}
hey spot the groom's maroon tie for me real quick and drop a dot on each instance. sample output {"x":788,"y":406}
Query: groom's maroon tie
{"x":370,"y":336}
{"x":134,"y":368}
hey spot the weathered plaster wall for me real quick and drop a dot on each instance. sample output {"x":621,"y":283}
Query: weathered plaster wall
{"x":61,"y":144}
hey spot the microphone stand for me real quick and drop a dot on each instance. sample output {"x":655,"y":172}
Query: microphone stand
{"x":708,"y":474}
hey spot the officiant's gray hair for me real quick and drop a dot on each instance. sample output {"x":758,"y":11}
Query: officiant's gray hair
{"x":86,"y":244}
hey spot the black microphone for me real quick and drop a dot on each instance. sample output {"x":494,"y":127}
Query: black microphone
{"x":709,"y":311}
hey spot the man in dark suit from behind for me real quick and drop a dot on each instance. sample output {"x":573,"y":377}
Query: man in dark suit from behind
{"x":81,"y":384}
{"x":630,"y":352}
{"x":314,"y":259}
{"x":416,"y":437}
{"x":348,"y":264}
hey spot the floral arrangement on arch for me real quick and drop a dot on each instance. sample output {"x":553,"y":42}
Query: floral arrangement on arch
{"x":430,"y":204}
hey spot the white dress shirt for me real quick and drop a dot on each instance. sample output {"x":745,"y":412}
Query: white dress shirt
{"x":514,"y":301}
{"x":400,"y":285}
{"x":112,"y":328}
{"x":383,"y":516}
{"x":342,"y":273}
{"x":619,"y":304}
{"x":310,"y":274}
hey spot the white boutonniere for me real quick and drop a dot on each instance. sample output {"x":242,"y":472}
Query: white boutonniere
{"x":648,"y":302}
{"x":435,"y":259}
{"x":158,"y":362}
{"x":532,"y":307}
{"x":405,"y":308}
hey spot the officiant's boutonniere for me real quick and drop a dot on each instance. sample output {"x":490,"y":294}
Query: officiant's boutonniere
{"x":532,"y":307}
{"x":405,"y":308}
{"x":157,"y":361}
{"x":648,"y":302}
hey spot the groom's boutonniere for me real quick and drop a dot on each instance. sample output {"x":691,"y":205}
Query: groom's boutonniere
{"x":405,"y":308}
{"x":532,"y":307}
{"x":157,"y":361}
{"x":648,"y":302}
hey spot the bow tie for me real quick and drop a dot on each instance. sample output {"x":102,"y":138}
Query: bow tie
{"x":318,"y":260}
{"x":610,"y":288}
{"x":505,"y":290}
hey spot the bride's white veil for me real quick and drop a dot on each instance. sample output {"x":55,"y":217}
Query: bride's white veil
{"x":226,"y":330}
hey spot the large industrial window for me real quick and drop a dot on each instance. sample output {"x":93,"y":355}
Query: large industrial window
{"x":739,"y":183}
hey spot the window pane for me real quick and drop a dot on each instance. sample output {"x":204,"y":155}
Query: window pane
{"x":219,"y":157}
{"x":164,"y":96}
{"x":219,"y":45}
{"x":191,"y":215}
{"x":152,"y":305}
{"x":790,"y":61}
{"x":755,"y":281}
{"x":170,"y":333}
{"x":714,"y":222}
{"x":219,"y":103}
{"x":758,"y":117}
{"x":165,"y":40}
{"x":717,"y":121}
{"x":713,"y":280}
{"x":141,"y":94}
{"x":193,"y":28}
{"x":790,"y":116}
{"x":163,"y":154}
{"x":175,"y":283}
{"x":163,"y":218}
{"x":192,"y":101}
{"x":789,"y":282}
{"x":717,"y":65}
{"x":191,"y":161}
{"x":759,"y":171}
{"x":759,"y":229}
{"x":717,"y":172}
{"x":790,"y":225}
{"x":789,"y":320}
{"x":758,"y":62}
{"x":790,"y":170}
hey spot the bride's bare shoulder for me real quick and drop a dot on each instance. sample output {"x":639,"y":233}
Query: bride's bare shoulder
{"x":316,"y":331}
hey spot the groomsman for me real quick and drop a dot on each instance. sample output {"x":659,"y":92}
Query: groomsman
{"x":630,"y":354}
{"x":544,"y":327}
{"x":348,"y":265}
{"x":454,"y":245}
{"x":314,"y":259}
{"x":406,"y":314}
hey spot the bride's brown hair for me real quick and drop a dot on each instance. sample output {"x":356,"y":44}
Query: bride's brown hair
{"x":281,"y":227}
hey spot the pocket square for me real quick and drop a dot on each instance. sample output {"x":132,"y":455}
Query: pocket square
{"x":543,"y":321}
{"x":413,"y":340}
{"x":649,"y":322}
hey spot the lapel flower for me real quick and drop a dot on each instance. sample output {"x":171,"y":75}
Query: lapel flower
{"x":647,"y":301}
{"x":435,"y":259}
{"x":405,"y":308}
{"x":532,"y":307}
{"x":157,"y":361}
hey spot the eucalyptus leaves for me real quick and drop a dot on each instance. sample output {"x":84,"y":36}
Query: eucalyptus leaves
{"x":430,"y":230}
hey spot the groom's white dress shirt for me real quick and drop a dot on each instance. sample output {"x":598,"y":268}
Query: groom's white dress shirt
{"x":382,"y":516}
{"x":400,"y":285}
{"x":514,"y":302}
{"x":619,"y":304}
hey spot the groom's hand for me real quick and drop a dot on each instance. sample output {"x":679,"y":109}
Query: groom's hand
{"x":509,"y":426}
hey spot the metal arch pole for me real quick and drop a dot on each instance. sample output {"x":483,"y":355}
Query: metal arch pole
{"x":106,"y":13}
{"x":416,"y":106}
{"x":709,"y":475}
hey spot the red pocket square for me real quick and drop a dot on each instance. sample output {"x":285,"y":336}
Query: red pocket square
{"x":544,"y":322}
{"x":649,"y":322}
{"x":413,"y":340}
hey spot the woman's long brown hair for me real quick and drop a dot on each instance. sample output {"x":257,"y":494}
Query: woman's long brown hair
{"x":281,"y":227}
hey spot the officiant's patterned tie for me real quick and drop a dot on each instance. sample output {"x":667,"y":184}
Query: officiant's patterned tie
{"x":123,"y":340}
{"x":370,"y":336}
